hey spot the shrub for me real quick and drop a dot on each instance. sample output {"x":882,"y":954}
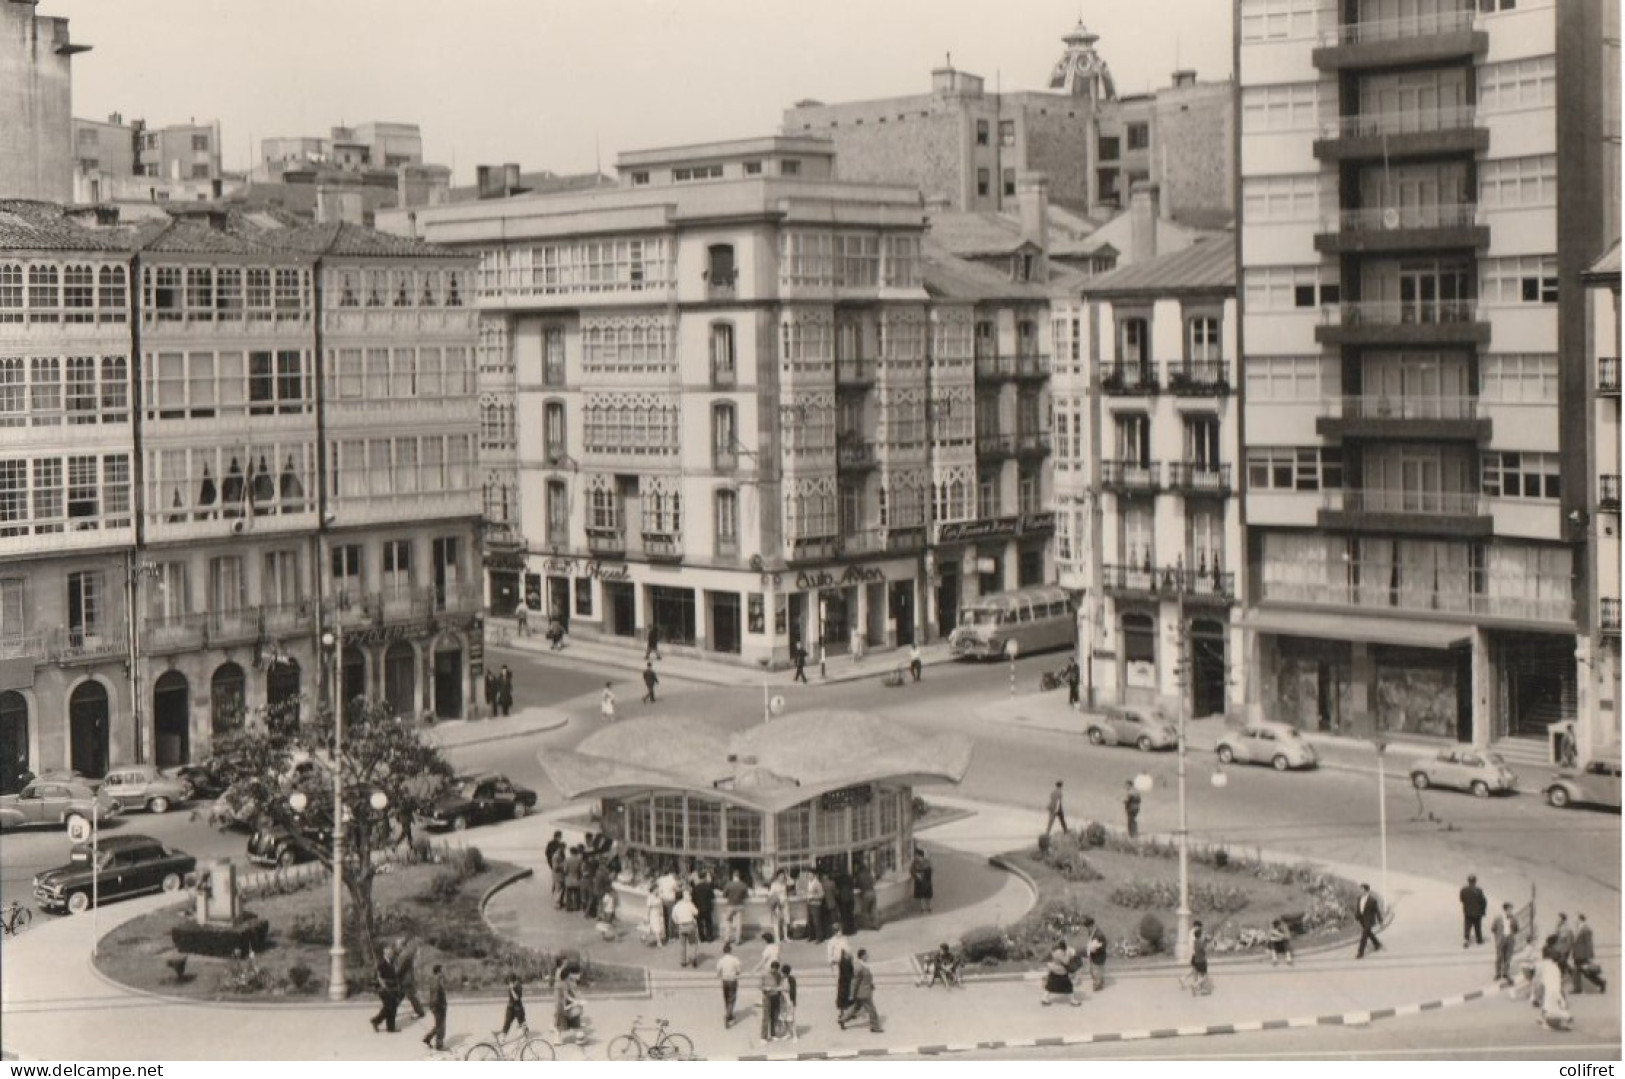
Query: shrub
{"x":443,"y":886}
{"x":244,"y":975}
{"x":245,"y":936}
{"x":1095,"y":833}
{"x":178,"y":967}
{"x":1221,"y":858}
{"x":1151,"y":933}
{"x":301,"y":979}
{"x":1043,"y":846}
{"x":921,"y":807}
{"x":422,"y":849}
{"x":310,"y":929}
{"x":466,"y":862}
{"x":985,"y":943}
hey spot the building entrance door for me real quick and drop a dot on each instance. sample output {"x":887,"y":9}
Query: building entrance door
{"x":621,"y":604}
{"x":1207,"y":668}
{"x":88,"y":730}
{"x":448,"y":683}
{"x":902,"y":612}
{"x":171,"y":719}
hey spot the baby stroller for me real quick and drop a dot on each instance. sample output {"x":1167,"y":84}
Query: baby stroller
{"x":943,"y":967}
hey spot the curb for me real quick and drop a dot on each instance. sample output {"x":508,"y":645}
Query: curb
{"x":1354,"y":1018}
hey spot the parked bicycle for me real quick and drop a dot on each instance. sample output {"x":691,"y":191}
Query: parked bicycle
{"x":522,"y":1046}
{"x":14,"y":919}
{"x":667,"y":1043}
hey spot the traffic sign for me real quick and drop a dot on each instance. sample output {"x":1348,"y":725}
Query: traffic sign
{"x":776,"y":705}
{"x":78,"y":830}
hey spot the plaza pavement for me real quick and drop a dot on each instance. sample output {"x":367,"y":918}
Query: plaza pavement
{"x":55,"y":1007}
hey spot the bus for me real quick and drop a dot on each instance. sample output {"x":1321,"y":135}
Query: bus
{"x":1010,"y":623}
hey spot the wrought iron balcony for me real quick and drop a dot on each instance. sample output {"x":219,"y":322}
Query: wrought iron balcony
{"x":1195,"y":477}
{"x":1128,"y":379}
{"x":1131,"y":476}
{"x":1405,"y":416}
{"x":992,"y":365}
{"x":1032,"y":365}
{"x":606,"y":541}
{"x":1197,"y":378}
{"x":23,"y":646}
{"x":1032,"y":442}
{"x":663,"y":546}
{"x":995,"y":444}
{"x":721,"y":284}
{"x":855,"y":452}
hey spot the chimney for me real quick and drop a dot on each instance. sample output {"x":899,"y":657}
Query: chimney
{"x":510,"y":178}
{"x":1185,"y":76}
{"x":1032,"y":196}
{"x":488,"y":182}
{"x":1142,"y":208}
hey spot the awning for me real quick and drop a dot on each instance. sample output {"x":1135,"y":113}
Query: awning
{"x":1337,"y":626}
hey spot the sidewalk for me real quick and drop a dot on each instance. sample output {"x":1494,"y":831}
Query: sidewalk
{"x":626,"y":653}
{"x":50,"y":987}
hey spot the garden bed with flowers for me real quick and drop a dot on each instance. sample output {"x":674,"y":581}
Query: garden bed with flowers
{"x":1131,"y":889}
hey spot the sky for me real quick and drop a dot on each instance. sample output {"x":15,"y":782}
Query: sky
{"x":565,"y":84}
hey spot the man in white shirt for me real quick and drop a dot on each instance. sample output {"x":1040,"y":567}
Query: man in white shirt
{"x":812,"y":890}
{"x":728,"y":970}
{"x":685,"y":918}
{"x":666,"y":886}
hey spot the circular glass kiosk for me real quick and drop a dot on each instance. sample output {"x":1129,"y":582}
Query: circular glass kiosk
{"x":825,"y":789}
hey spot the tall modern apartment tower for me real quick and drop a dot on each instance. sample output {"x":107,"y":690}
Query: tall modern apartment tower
{"x":1416,"y":213}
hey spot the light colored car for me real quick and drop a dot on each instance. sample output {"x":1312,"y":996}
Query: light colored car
{"x":1276,"y":744}
{"x":1595,"y":784}
{"x":1131,"y":727}
{"x":1466,"y":770}
{"x":143,"y":786}
{"x":49,"y":801}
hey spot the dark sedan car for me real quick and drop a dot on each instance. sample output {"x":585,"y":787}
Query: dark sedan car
{"x":479,"y":799}
{"x":120,"y":866}
{"x":273,"y":844}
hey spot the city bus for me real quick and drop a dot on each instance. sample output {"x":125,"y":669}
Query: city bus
{"x":1025,"y":620}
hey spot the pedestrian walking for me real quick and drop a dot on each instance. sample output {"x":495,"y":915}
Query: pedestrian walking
{"x":914,"y":664}
{"x":685,"y":918}
{"x":728,"y":971}
{"x":863,"y":994}
{"x":653,"y":651}
{"x":1097,"y":950}
{"x":388,"y":986}
{"x":522,"y":617}
{"x":654,"y":919}
{"x":704,"y":894}
{"x":1563,"y":944}
{"x":920,"y":873}
{"x":556,"y":866}
{"x":1058,"y":969}
{"x":770,"y":954}
{"x":514,"y":1012}
{"x":778,"y":904}
{"x":406,"y":960}
{"x":606,"y":705}
{"x":1368,"y":909}
{"x":1131,"y":808}
{"x":772,"y":984}
{"x":505,"y":691}
{"x":436,"y":1038}
{"x":1473,"y":908}
{"x":839,"y":953}
{"x":1583,"y":957}
{"x":1071,"y":677}
{"x":1057,"y":811}
{"x":1505,"y":932}
{"x":1200,"y":983}
{"x":555,"y":635}
{"x":799,"y":654}
{"x":650,"y":681}
{"x":1280,"y":941}
{"x":1554,"y":1002}
{"x":734,"y":895}
{"x":814,"y":890}
{"x":786,"y":1024}
{"x":868,"y":900}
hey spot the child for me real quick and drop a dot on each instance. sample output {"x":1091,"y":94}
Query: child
{"x":515,"y":1012}
{"x":1200,"y":982}
{"x":607,"y":904}
{"x":1280,"y":943}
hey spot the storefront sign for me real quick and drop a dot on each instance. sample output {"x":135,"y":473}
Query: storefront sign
{"x":987,"y":528}
{"x":388,"y":634}
{"x":576,"y":567}
{"x":476,"y":655}
{"x":1038,"y":522}
{"x":806,"y":582}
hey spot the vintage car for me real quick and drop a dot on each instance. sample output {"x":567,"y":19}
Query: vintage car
{"x":1276,"y":744}
{"x":54,"y":802}
{"x":142,"y":786}
{"x":1466,"y":770}
{"x":1131,"y":727}
{"x":119,"y":866}
{"x":478,"y":799}
{"x":1597,"y":783}
{"x":273,"y":844}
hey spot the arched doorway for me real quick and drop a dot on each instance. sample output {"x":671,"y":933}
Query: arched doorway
{"x":88,"y":729}
{"x":228,"y":696}
{"x":1207,"y":668}
{"x":282,"y":695}
{"x":448,"y":679}
{"x":13,"y":741}
{"x":353,"y":680}
{"x":172,"y":718}
{"x":400,"y":679}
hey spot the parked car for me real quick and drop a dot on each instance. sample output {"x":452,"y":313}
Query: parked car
{"x":1597,"y":783}
{"x":1465,"y":770}
{"x":49,"y":801}
{"x":478,"y":799}
{"x":273,"y":844}
{"x":120,"y":866}
{"x":205,"y":780}
{"x":1131,"y":727}
{"x":1276,"y":744}
{"x":139,"y":786}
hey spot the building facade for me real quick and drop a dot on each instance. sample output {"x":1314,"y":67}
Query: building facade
{"x":192,"y":490}
{"x":1599,"y":725}
{"x":1416,"y":213}
{"x":36,"y":103}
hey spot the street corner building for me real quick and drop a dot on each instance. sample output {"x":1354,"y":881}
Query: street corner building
{"x":229,"y":437}
{"x":825,"y":789}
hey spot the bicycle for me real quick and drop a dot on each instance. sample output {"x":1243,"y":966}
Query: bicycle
{"x":14,"y":919}
{"x":669,"y":1045}
{"x":522,"y":1046}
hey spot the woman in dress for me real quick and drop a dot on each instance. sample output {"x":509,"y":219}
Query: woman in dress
{"x":1058,"y":975}
{"x":778,"y":905}
{"x":654,"y":917}
{"x":920,"y":872}
{"x":839,"y":951}
{"x":1554,"y":1002}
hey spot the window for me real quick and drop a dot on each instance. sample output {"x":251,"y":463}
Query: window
{"x":1524,"y":476}
{"x":1290,"y":378}
{"x":289,"y":295}
{"x":1009,"y":183}
{"x":13,"y":616}
{"x":1285,"y":468}
{"x":603,"y":506}
{"x":981,"y":132}
{"x":86,"y":597}
{"x":722,"y":353}
{"x":1287,"y":288}
{"x":1519,"y":279}
{"x":1133,"y":430}
{"x":1517,"y":84}
{"x":727,"y":521}
{"x":1110,"y":148}
{"x":1202,"y":340}
{"x":697,"y":172}
{"x":346,"y":566}
{"x":983,"y":182}
{"x":857,"y":260}
{"x":1513,"y":378}
{"x":554,"y":439}
{"x":200,"y":144}
{"x":44,"y":295}
{"x":279,"y":579}
{"x":1279,"y":20}
{"x":397,"y":563}
{"x":1518,"y":181}
{"x":11,"y":292}
{"x":724,"y":435}
{"x":1134,"y":344}
{"x":987,"y":496}
{"x":790,"y":167}
{"x":1007,"y":132}
{"x":1283,"y":107}
{"x":1138,"y":135}
{"x":79,"y":294}
{"x":1139,"y":638}
{"x":1281,"y":198}
{"x":558,"y":512}
{"x":640,"y":178}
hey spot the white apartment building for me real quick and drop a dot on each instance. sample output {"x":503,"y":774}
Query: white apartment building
{"x":1600,"y":678}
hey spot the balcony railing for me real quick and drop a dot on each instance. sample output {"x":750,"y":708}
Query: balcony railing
{"x":1170,"y":581}
{"x":1131,"y":475}
{"x":1422,"y":503}
{"x":1199,"y":477}
{"x":995,"y":444}
{"x":1441,"y":216}
{"x":1608,"y":374}
{"x":1608,"y":493}
{"x":802,"y":549}
{"x":23,"y":646}
{"x":1608,"y":615}
{"x":606,"y":541}
{"x":724,"y":460}
{"x":1425,"y":597}
{"x":285,"y":618}
{"x":66,"y":644}
{"x":854,"y":452}
{"x":854,"y":372}
{"x":901,"y":538}
{"x":1400,"y":313}
{"x":1197,"y":378}
{"x":721,"y":284}
{"x":1032,"y":365}
{"x":663,"y":546}
{"x":1142,"y":579}
{"x":1129,"y":378}
{"x":993,"y":365}
{"x":1408,"y":407}
{"x":1405,"y":27}
{"x":1403,"y":122}
{"x":453,"y":598}
{"x":1032,"y":442}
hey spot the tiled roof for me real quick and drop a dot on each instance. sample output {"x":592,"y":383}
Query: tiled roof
{"x":949,"y":277}
{"x":191,"y":237}
{"x":975,"y":233}
{"x":345,"y":240}
{"x":26,"y":225}
{"x":1209,"y":264}
{"x":1608,"y":264}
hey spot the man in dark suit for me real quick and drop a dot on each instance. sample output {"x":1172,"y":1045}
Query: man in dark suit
{"x":1368,"y":909}
{"x":389,"y":991}
{"x":1583,"y":957}
{"x":863,"y":995}
{"x":1473,"y":908}
{"x":1505,"y":931}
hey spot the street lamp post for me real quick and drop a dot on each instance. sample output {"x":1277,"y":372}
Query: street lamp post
{"x":337,"y":987}
{"x":134,"y":573}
